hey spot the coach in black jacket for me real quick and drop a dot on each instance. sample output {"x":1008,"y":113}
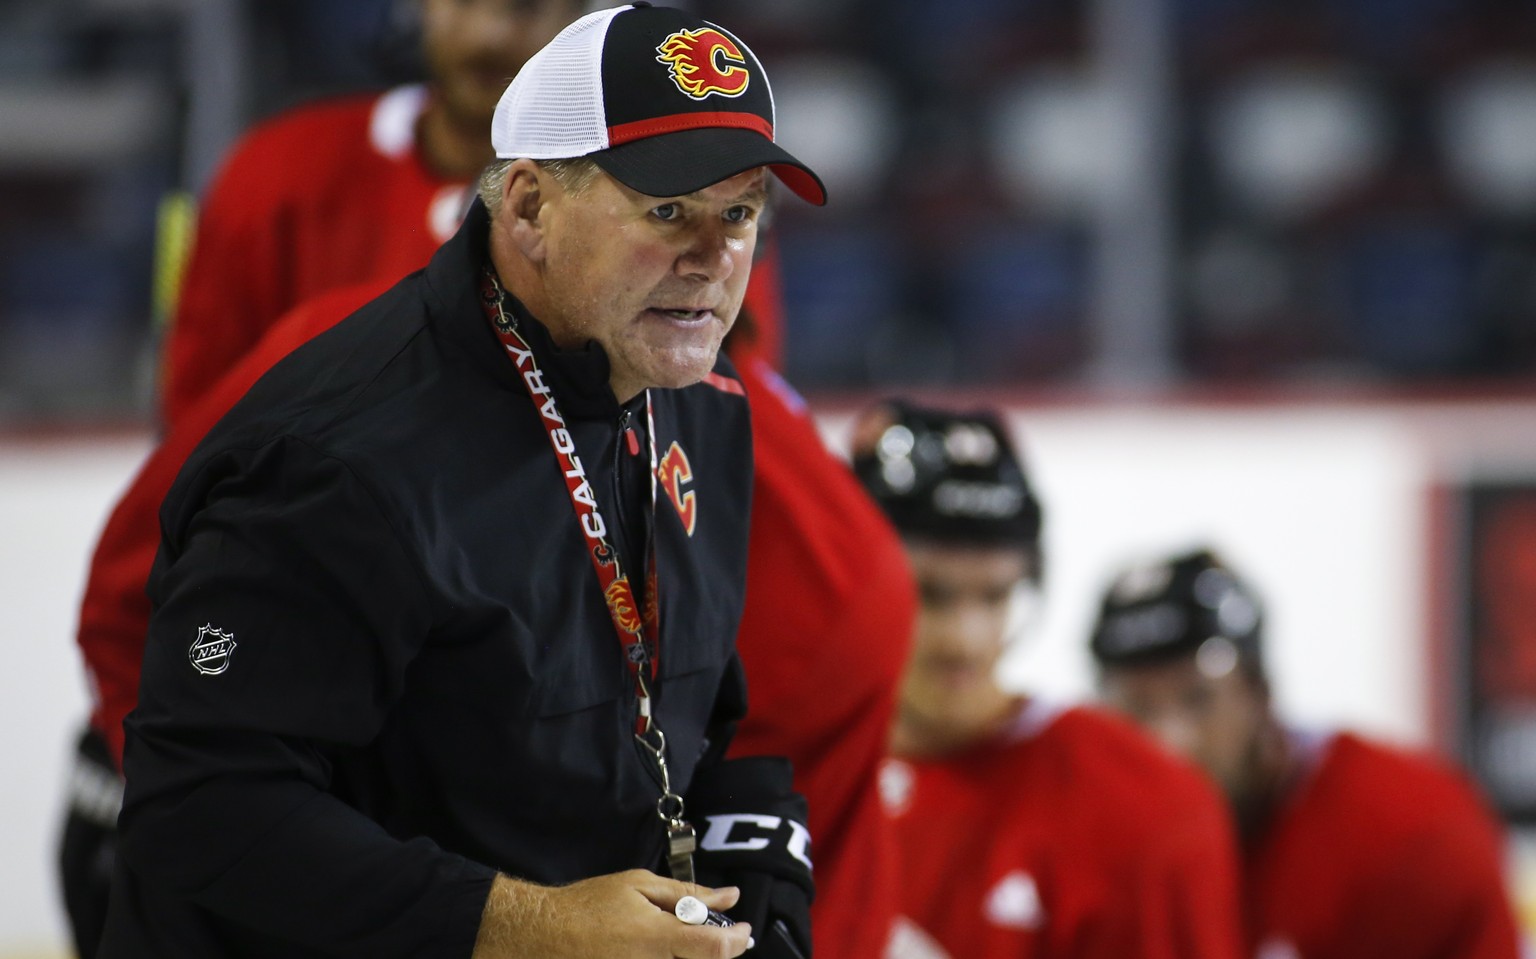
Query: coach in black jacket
{"x":395,"y":676}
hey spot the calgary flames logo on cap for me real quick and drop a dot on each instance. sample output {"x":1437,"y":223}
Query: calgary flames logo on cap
{"x":621,"y":600}
{"x":705,"y":61}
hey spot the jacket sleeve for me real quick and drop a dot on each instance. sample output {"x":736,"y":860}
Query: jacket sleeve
{"x":114,"y":610}
{"x":287,"y":613}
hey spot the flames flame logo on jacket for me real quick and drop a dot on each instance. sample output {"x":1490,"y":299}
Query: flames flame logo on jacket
{"x":672,"y":472}
{"x":705,"y":61}
{"x":621,"y":600}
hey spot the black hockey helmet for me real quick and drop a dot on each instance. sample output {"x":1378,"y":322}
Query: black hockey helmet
{"x":1173,"y":607}
{"x":947,"y":477}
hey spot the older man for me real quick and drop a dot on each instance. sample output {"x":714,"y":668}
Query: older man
{"x":442,"y":658}
{"x":347,"y":189}
{"x":339,"y":191}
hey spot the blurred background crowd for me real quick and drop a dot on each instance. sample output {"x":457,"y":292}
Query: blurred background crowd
{"x":1039,"y":193}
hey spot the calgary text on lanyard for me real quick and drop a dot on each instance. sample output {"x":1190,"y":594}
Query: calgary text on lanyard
{"x":637,"y":627}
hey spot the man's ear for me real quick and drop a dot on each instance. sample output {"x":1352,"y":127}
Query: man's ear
{"x":524,"y":199}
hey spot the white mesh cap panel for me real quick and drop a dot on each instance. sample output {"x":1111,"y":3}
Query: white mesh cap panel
{"x":554,"y":108}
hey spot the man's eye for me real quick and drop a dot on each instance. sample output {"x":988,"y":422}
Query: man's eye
{"x":739,"y":214}
{"x":667,"y":211}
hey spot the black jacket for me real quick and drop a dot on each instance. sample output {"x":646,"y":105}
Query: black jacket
{"x":424,"y":685}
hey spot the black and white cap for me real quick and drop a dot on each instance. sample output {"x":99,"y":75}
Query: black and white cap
{"x":946,"y":477}
{"x":664,"y":102}
{"x":1175,"y":607}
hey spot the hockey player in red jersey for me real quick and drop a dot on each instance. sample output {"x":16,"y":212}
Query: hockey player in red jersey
{"x":1352,"y":849}
{"x":346,"y":190}
{"x":824,"y":636}
{"x":1026,"y":829}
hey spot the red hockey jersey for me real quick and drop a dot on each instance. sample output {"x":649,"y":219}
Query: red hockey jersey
{"x":1070,"y":836}
{"x":824,"y":637}
{"x":323,"y":196}
{"x":1379,"y":853}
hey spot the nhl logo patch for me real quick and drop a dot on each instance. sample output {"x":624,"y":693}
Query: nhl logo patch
{"x":211,"y":650}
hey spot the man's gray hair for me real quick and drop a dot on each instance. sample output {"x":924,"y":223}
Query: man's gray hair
{"x":575,"y":174}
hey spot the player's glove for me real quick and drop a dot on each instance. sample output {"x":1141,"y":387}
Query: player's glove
{"x":752,"y":835}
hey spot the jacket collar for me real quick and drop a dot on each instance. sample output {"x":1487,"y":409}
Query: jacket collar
{"x":578,"y":377}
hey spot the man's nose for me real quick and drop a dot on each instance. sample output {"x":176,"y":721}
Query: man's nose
{"x":710,"y":254}
{"x":970,"y":631}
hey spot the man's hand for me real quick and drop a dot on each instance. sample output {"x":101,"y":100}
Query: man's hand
{"x":624,"y":914}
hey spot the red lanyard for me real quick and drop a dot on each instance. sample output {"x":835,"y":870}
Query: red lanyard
{"x":635,"y":626}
